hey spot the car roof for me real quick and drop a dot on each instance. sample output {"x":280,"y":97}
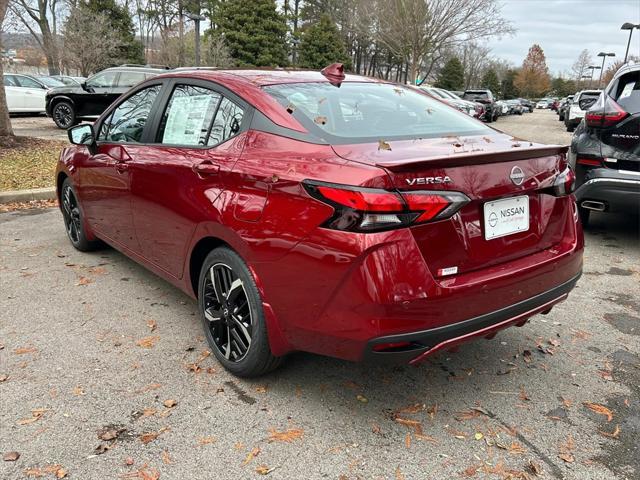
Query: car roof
{"x":263,"y":77}
{"x":134,"y":69}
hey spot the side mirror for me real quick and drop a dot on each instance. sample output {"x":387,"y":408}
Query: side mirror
{"x":82,"y":135}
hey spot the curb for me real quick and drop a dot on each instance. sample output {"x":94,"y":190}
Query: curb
{"x":11,"y":196}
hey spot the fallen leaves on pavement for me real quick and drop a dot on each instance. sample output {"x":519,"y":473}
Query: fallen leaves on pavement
{"x":10,"y":456}
{"x":614,"y":434}
{"x":600,"y":410}
{"x":23,"y":350}
{"x":36,"y":414}
{"x":251,"y":455}
{"x":285,"y":436}
{"x":56,"y":470}
{"x":148,"y":342}
{"x":264,"y":470}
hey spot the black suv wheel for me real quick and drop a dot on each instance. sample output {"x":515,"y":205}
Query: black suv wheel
{"x":64,"y":115}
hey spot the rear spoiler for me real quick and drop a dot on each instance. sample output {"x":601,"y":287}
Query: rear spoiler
{"x":518,"y":152}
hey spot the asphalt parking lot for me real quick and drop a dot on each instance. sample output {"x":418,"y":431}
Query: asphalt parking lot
{"x":39,"y":126}
{"x":104,"y":374}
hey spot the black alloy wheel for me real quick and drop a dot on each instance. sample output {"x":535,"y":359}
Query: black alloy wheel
{"x":232,"y":315}
{"x":226,"y":309}
{"x":64,"y":115}
{"x":73,"y":222}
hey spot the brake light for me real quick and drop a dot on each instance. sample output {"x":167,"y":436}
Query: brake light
{"x":565,"y":183}
{"x":605,"y":113}
{"x":590,"y":162}
{"x":359,"y":209}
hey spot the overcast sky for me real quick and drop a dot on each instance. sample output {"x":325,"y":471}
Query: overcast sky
{"x":563,"y":28}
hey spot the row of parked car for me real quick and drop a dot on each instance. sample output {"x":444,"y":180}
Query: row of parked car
{"x":69,"y":100}
{"x":480,"y":103}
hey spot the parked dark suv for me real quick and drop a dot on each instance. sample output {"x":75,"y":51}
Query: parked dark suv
{"x":486,"y":98}
{"x":606,"y":148}
{"x":70,"y":104}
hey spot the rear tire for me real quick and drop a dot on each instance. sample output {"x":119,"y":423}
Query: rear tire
{"x":232,"y":316}
{"x":74,"y":220}
{"x":64,"y":115}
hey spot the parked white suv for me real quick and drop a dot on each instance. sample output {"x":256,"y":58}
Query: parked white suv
{"x":574,"y":113}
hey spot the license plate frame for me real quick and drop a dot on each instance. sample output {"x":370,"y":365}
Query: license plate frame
{"x":500,"y":221}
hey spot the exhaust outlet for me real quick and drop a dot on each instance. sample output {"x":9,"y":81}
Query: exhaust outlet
{"x":593,"y":205}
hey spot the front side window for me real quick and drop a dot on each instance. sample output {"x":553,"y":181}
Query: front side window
{"x":188,"y":117}
{"x":363,"y":112}
{"x":102,"y":80}
{"x":28,"y":82}
{"x":129,"y":79}
{"x":126,"y":123}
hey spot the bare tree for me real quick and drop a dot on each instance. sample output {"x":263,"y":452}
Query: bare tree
{"x":415,"y":29}
{"x":6,"y":132}
{"x":40,"y":18}
{"x":89,"y":43}
{"x":579,"y":67}
{"x":217,"y":53}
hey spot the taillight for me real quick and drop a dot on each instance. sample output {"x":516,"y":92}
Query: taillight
{"x":358,"y":209}
{"x":605,"y":113}
{"x":565,"y":183}
{"x":590,"y":162}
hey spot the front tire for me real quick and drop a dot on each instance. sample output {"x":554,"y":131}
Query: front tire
{"x":73,"y":219}
{"x":64,"y":115}
{"x":232,"y":316}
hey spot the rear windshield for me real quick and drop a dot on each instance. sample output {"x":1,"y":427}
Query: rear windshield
{"x":587,"y":99}
{"x":627,"y":92}
{"x":362,"y":112}
{"x":475,"y":95}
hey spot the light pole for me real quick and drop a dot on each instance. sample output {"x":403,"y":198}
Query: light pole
{"x":604,"y":57}
{"x":592,"y":68}
{"x":196,"y":20}
{"x":630,"y":27}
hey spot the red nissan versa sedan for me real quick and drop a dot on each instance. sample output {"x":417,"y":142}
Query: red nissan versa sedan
{"x":315,"y":211}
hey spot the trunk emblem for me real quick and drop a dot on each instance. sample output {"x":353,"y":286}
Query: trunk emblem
{"x":428,"y":180}
{"x":517,"y":175}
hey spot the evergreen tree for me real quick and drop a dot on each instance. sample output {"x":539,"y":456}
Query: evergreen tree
{"x":451,"y":76}
{"x":491,"y":82}
{"x":321,"y":45}
{"x":254,"y":32}
{"x":507,"y":88}
{"x":130,"y":49}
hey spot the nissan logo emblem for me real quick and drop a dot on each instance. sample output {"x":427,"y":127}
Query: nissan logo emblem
{"x":517,"y":175}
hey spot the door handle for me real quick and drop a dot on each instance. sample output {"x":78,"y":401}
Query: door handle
{"x":121,"y":166}
{"x":206,"y":168}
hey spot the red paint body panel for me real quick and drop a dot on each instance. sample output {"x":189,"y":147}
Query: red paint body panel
{"x":327,"y":291}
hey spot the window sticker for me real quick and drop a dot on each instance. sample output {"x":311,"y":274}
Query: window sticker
{"x":186,"y":120}
{"x":626,"y":91}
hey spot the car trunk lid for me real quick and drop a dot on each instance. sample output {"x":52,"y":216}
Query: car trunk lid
{"x":482,"y":168}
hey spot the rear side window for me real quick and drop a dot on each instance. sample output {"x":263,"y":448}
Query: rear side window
{"x":102,"y":80}
{"x":10,"y":81}
{"x":226,"y":123}
{"x":627,"y":92}
{"x":188,"y":116}
{"x":129,"y":79}
{"x":364,"y":112}
{"x":126,"y":123}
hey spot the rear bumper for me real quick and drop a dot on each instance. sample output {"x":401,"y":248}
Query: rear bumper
{"x":617,"y":191}
{"x":427,"y":342}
